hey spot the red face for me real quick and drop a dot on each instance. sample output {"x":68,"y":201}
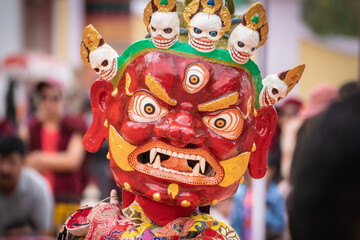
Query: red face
{"x":181,"y":130}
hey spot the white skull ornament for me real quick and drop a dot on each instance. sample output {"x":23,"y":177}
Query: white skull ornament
{"x":274,"y":89}
{"x":165,"y":29}
{"x":204,"y":31}
{"x":242,"y":43}
{"x":104,"y":61}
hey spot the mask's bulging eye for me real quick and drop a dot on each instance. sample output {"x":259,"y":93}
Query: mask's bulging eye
{"x":143,"y":107}
{"x":220,"y":123}
{"x":227,"y":123}
{"x":149,"y":108}
{"x":196,"y":77}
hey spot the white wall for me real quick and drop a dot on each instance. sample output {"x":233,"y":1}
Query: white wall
{"x":10,"y":38}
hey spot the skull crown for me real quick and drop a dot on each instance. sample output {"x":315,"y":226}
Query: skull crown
{"x":207,"y":22}
{"x":162,"y":22}
{"x":249,"y":35}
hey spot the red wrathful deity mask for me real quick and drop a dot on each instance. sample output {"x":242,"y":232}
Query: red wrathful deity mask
{"x":183,"y":126}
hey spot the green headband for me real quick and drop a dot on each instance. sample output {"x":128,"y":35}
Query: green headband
{"x":184,"y":49}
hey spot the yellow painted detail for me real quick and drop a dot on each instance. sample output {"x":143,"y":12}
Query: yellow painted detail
{"x":158,"y":90}
{"x":90,"y":42}
{"x":255,"y":112}
{"x":214,"y":202}
{"x":120,"y":149}
{"x":253,"y":149}
{"x":234,"y":168}
{"x":108,"y":155}
{"x":262,"y":25}
{"x":127,"y":85}
{"x":156,"y":196}
{"x":185,"y":203}
{"x":106,"y":124}
{"x":136,"y":215}
{"x":241,"y":181}
{"x":115,"y":92}
{"x":127,"y":186}
{"x":248,"y":108}
{"x":91,"y":37}
{"x":221,"y":103}
{"x":173,"y":190}
{"x":165,"y":8}
{"x":211,"y":9}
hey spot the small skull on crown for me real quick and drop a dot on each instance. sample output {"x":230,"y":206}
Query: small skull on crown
{"x":249,"y":35}
{"x":162,"y":22}
{"x":98,"y":55}
{"x":277,"y":86}
{"x":207,"y":21}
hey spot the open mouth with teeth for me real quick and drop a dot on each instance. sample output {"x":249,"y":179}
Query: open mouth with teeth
{"x":202,"y":45}
{"x":191,"y":166}
{"x":266,"y":99}
{"x":109,"y":74}
{"x":239,"y":56}
{"x":163,"y":42}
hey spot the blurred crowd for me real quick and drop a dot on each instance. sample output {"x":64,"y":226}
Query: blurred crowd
{"x":311,"y":181}
{"x":312,"y":188}
{"x":45,"y":173}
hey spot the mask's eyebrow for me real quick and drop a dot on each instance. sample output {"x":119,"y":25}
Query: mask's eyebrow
{"x":158,"y":90}
{"x":221,"y":103}
{"x":127,"y":85}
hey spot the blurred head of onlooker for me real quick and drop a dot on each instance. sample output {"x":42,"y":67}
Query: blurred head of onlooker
{"x":348,"y":89}
{"x":324,"y":203}
{"x":26,"y":203}
{"x":288,"y":110}
{"x":49,"y":100}
{"x":12,"y":152}
{"x":321,"y":98}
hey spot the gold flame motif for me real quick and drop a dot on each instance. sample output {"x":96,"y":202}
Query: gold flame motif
{"x":90,"y":41}
{"x":257,"y":10}
{"x":293,"y":77}
{"x":127,"y":85}
{"x":173,"y":190}
{"x":120,"y":149}
{"x":221,"y":103}
{"x":158,"y":90}
{"x":234,"y":168}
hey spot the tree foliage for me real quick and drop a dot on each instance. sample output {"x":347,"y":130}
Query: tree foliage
{"x":328,"y":17}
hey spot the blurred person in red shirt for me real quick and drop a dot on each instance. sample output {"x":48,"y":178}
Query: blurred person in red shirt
{"x":55,"y":143}
{"x":281,"y":146}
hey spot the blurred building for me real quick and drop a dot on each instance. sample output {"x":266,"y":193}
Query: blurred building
{"x":331,"y":55}
{"x":55,"y":27}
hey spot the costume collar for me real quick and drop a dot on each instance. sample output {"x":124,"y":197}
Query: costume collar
{"x":197,"y":225}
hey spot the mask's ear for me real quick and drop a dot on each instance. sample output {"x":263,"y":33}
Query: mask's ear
{"x":265,"y":125}
{"x":292,"y":76}
{"x":100,"y":95}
